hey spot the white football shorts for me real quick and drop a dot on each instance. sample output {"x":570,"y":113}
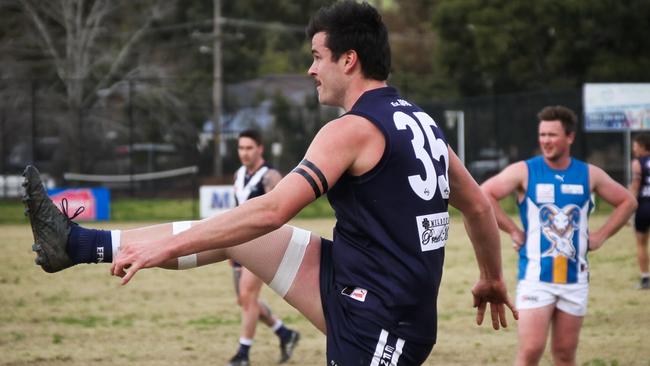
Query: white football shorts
{"x":571,"y":298}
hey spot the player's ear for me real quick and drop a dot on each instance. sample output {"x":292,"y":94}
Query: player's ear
{"x":351,"y":59}
{"x":571,"y":136}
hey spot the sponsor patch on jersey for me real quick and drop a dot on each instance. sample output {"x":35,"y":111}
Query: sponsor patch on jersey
{"x":544,"y":193}
{"x":433,"y":230}
{"x":572,"y":189}
{"x":356,"y":293}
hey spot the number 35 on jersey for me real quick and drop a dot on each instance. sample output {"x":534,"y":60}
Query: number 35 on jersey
{"x":425,"y":184}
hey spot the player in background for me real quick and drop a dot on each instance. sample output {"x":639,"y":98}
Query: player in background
{"x":390,"y":176}
{"x":254,"y":178}
{"x":553,"y":192}
{"x":640,"y":188}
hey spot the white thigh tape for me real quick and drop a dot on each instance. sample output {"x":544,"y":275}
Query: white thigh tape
{"x":116,"y":240}
{"x":187,"y":262}
{"x":180,"y":226}
{"x":290,"y":263}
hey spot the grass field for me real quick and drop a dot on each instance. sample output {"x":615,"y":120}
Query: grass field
{"x":82,"y":316}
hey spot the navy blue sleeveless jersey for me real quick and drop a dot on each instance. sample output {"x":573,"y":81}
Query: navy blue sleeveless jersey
{"x":392,"y":222}
{"x":644,"y":188}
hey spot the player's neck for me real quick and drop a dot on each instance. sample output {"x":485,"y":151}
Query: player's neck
{"x":254,"y":167}
{"x":560,"y":163}
{"x":357,"y":88}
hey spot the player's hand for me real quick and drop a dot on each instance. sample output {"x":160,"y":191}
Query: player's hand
{"x":495,"y":293}
{"x":133,"y":257}
{"x":595,"y":241}
{"x":518,"y":239}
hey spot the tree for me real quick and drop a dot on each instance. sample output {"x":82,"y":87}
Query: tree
{"x":89,"y":61}
{"x":502,"y":46}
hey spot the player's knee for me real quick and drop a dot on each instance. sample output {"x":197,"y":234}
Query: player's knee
{"x":531,"y":353}
{"x":563,"y":352}
{"x":247,"y":299}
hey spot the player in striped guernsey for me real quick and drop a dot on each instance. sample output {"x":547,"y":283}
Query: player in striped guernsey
{"x":553,"y":193}
{"x":254,"y":178}
{"x":640,"y":188}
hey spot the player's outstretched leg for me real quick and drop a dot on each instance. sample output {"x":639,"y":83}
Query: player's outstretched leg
{"x":50,"y":227}
{"x":60,"y":243}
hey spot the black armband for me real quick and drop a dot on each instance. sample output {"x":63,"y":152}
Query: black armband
{"x":309,"y":179}
{"x":319,"y":174}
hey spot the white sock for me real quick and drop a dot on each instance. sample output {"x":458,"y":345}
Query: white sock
{"x":277,"y":325}
{"x":245,"y":341}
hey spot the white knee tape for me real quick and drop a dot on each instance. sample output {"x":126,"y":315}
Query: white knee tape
{"x":290,"y":263}
{"x":188,"y":261}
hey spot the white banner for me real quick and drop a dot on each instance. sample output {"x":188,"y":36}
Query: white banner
{"x":616,"y":107}
{"x":216,"y":199}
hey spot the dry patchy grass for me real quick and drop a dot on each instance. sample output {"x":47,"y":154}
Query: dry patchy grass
{"x":82,"y":316}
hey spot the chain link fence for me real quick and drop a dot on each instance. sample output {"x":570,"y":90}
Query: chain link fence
{"x":152,"y":125}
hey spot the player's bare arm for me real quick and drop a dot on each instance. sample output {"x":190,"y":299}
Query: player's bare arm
{"x":616,"y":195}
{"x":514,"y":178}
{"x":337,"y":147}
{"x":482,"y":229}
{"x":271,"y":179}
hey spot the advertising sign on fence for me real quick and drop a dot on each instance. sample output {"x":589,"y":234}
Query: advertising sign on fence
{"x":216,"y":199}
{"x":616,"y":107}
{"x":95,"y":201}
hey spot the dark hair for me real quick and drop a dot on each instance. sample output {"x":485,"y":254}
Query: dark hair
{"x":562,"y":114}
{"x":643,"y":139}
{"x":355,"y":26}
{"x":252,"y":134}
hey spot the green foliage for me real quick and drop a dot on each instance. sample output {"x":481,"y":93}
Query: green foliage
{"x":502,"y":46}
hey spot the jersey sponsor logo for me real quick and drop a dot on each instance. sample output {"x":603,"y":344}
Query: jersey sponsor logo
{"x":559,"y":177}
{"x":572,"y":188}
{"x":558,"y":226}
{"x":356,"y":293}
{"x":401,"y":103}
{"x":433,"y":230}
{"x":544,"y":193}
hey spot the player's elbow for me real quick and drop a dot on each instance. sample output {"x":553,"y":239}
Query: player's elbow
{"x":481,"y":207}
{"x":272,"y":216}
